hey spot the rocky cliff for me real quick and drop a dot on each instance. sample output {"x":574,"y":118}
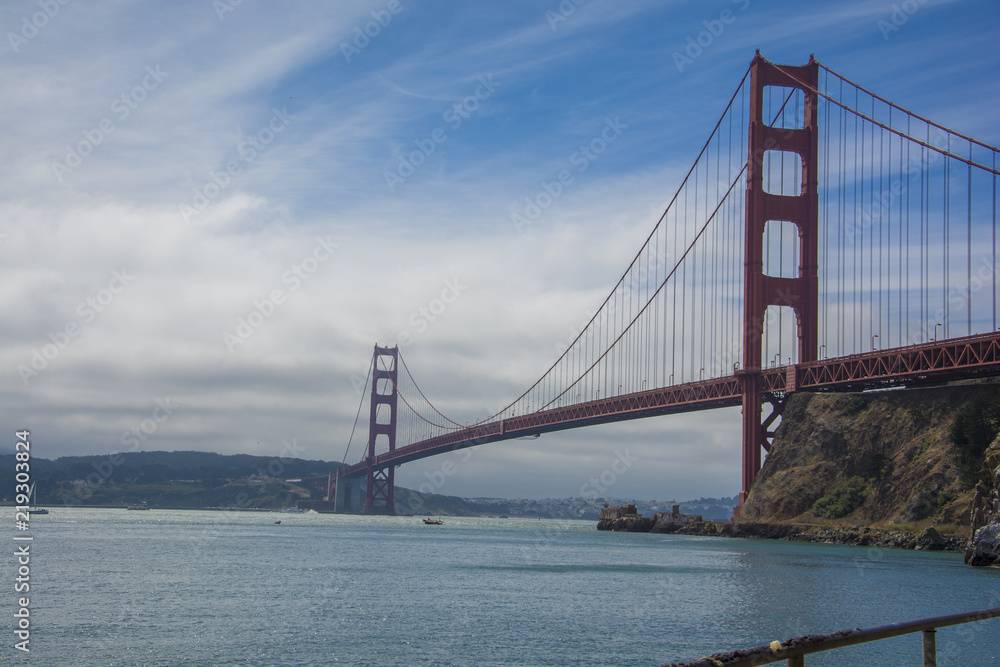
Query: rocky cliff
{"x":984,"y":543}
{"x":880,"y":459}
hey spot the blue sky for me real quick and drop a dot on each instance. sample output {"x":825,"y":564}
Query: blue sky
{"x":213,"y":154}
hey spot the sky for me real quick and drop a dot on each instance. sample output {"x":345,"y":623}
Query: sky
{"x":211,"y":211}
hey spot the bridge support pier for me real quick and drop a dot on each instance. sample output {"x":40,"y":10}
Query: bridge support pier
{"x":382,"y":427}
{"x":348,"y":495}
{"x":801,"y":293}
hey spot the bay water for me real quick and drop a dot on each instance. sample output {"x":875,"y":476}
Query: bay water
{"x":174,"y":587}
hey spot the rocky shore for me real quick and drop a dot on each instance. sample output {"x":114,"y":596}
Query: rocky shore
{"x":627,"y":519}
{"x":927,"y":540}
{"x":984,"y":545}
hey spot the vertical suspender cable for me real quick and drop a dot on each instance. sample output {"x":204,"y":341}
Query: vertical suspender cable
{"x":845,"y":130}
{"x":946,"y":203}
{"x":881,"y":177}
{"x":825,"y":226}
{"x":968,"y":251}
{"x":906,"y":190}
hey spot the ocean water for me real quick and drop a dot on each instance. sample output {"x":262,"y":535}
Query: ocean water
{"x":113,"y":587}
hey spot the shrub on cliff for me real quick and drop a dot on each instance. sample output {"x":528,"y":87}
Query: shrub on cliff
{"x":974,"y":427}
{"x":842,"y":499}
{"x":856,"y":404}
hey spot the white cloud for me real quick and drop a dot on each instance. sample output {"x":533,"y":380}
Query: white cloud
{"x":322,"y":177}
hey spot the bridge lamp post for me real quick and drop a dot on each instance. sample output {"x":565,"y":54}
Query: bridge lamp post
{"x":822,"y":351}
{"x":874,"y":337}
{"x":935,"y":330}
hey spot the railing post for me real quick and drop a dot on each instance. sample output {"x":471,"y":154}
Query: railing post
{"x":797,"y":661}
{"x":930,"y":648}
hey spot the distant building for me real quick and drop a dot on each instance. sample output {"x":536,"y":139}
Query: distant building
{"x":676,"y":518}
{"x":624,"y":512}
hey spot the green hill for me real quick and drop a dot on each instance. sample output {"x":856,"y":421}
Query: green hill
{"x":170,"y":479}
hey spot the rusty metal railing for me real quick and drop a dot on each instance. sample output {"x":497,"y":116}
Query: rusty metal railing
{"x":794,"y":650}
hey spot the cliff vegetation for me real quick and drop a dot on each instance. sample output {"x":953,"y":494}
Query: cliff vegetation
{"x":890,"y":459}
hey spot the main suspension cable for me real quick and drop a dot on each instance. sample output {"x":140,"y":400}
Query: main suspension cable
{"x":358,"y":416}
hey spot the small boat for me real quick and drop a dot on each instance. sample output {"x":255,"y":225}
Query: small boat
{"x":32,"y":507}
{"x":140,"y":506}
{"x":433,"y":522}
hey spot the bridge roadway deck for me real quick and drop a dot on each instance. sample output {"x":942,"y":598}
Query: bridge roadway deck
{"x":910,"y":366}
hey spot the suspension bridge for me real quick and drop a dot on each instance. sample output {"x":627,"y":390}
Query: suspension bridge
{"x":824,"y":239}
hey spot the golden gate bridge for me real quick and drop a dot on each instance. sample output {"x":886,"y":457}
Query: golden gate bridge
{"x":824,"y":239}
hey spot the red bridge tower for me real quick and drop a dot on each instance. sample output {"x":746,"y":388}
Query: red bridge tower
{"x":382,"y":424}
{"x":760,"y":290}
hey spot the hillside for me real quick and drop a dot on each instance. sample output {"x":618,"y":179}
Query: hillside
{"x":159,"y":467}
{"x":874,"y":459}
{"x":170,"y":479}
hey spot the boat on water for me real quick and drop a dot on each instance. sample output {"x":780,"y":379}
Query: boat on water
{"x":32,"y":504}
{"x":140,"y":506}
{"x":433,"y":522}
{"x":293,"y":510}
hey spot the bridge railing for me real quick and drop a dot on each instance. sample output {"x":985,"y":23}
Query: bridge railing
{"x":794,"y":650}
